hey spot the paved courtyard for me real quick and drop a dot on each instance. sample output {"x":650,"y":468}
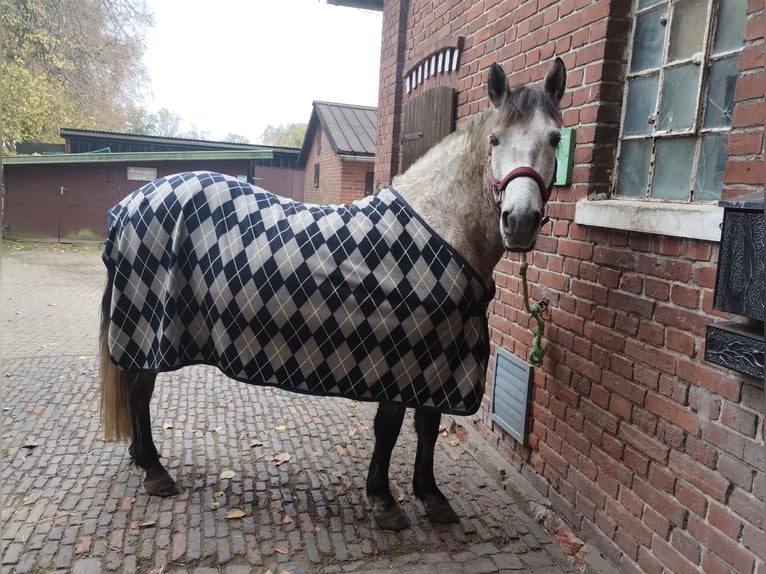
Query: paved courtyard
{"x":270,"y":481}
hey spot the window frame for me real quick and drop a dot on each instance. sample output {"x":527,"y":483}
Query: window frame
{"x":705,"y":60}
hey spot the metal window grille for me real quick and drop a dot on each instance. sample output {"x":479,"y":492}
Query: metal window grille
{"x":679,"y":97}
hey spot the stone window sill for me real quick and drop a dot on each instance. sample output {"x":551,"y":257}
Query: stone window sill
{"x":690,"y":221}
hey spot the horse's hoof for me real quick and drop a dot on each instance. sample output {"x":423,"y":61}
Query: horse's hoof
{"x":391,"y":519}
{"x":441,"y":512}
{"x":160,"y":485}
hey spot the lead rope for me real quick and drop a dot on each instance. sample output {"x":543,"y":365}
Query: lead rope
{"x":537,"y":353}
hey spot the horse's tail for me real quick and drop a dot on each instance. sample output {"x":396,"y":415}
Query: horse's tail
{"x":115,"y":406}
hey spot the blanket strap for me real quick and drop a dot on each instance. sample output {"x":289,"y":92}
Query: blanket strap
{"x":537,"y":353}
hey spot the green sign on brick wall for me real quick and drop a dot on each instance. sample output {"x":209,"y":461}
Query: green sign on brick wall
{"x":565,"y":157}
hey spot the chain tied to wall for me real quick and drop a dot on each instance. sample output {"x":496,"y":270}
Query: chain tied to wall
{"x":538,"y":350}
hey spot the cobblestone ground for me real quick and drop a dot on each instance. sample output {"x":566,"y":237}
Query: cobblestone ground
{"x":71,"y":503}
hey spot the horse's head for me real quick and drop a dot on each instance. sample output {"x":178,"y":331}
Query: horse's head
{"x":523,"y":136}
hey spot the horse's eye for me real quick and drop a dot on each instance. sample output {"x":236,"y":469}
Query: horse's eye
{"x":493,"y":141}
{"x":555,"y":139}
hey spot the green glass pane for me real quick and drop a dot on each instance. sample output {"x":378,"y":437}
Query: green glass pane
{"x":719,"y":103}
{"x":673,"y":160}
{"x":646,"y":3}
{"x":730,"y":28}
{"x":710,"y":167}
{"x":687,"y":29}
{"x":648,"y":39}
{"x":640,"y":105}
{"x":633,"y":174}
{"x":679,"y":97}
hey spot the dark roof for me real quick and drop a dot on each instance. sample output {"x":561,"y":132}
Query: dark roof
{"x":364,"y":4}
{"x":350,"y":129}
{"x":144,"y":140}
{"x":87,"y":141}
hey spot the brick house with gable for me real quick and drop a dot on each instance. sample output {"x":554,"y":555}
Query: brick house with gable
{"x":653,"y":454}
{"x":338,"y":153}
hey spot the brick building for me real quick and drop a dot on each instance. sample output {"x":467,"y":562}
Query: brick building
{"x":338,"y":153}
{"x":65,"y":196}
{"x":653,"y":454}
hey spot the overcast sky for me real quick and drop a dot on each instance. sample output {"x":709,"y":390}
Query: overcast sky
{"x":237,"y":66}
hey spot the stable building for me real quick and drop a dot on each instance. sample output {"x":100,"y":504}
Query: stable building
{"x":643,"y":440}
{"x":338,"y":153}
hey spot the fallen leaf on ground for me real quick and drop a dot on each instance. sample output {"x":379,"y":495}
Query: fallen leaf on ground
{"x":286,"y":520}
{"x":147,"y":524}
{"x":236,"y":513}
{"x":30,"y":445}
{"x":215,"y":506}
{"x":51,"y":304}
{"x":255,"y":443}
{"x":218,"y":494}
{"x":167,"y":426}
{"x":454,"y":442}
{"x":281,"y":458}
{"x":282,"y":549}
{"x":228,"y":474}
{"x":280,"y":428}
{"x":216,"y":429}
{"x":277,"y":457}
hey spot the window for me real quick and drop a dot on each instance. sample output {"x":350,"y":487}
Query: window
{"x":316,"y":175}
{"x":679,"y":99}
{"x":369,"y":182}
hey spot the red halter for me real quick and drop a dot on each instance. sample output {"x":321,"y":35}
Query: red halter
{"x":498,"y":187}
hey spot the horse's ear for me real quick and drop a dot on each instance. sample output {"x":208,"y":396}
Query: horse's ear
{"x":556,"y":80}
{"x":497,"y":85}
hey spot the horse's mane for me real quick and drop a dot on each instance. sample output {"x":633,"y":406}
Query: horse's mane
{"x":520,"y":103}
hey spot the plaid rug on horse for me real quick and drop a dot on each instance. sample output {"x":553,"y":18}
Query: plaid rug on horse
{"x":362,"y":301}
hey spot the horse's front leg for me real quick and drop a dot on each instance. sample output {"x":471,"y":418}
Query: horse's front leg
{"x":424,"y":484}
{"x":385,"y":510}
{"x":157,"y":481}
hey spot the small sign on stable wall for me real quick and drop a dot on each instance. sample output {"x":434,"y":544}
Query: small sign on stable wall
{"x":565,"y":157}
{"x":142,"y":173}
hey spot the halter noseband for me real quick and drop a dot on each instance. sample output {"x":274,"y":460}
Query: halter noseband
{"x":498,"y":187}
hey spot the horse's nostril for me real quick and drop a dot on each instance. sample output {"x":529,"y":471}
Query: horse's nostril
{"x":537,"y":218}
{"x":504,"y":221}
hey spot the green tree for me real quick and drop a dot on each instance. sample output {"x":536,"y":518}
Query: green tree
{"x":289,"y":135}
{"x":69,"y":63}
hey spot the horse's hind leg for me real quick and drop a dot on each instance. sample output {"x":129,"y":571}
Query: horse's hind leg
{"x":385,"y":510}
{"x":157,"y":481}
{"x":424,"y":484}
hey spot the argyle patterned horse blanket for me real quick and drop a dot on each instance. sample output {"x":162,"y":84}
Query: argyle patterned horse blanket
{"x":362,"y":301}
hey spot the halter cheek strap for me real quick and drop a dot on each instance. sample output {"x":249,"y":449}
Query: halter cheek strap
{"x":498,"y":187}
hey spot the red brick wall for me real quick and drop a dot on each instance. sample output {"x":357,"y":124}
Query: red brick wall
{"x":390,"y":92}
{"x":654,"y":455}
{"x":744,"y":172}
{"x":339,"y":181}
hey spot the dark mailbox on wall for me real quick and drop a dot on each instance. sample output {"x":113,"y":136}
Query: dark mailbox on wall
{"x":739,"y":288}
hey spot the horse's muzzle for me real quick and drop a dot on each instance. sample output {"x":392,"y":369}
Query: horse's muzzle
{"x":519,"y":230}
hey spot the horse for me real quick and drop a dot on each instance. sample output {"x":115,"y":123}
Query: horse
{"x":482,"y":190}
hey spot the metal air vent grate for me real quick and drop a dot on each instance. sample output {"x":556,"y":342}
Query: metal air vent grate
{"x":510,"y":394}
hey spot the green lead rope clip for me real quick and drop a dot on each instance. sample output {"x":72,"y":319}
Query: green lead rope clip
{"x":537,"y":353}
